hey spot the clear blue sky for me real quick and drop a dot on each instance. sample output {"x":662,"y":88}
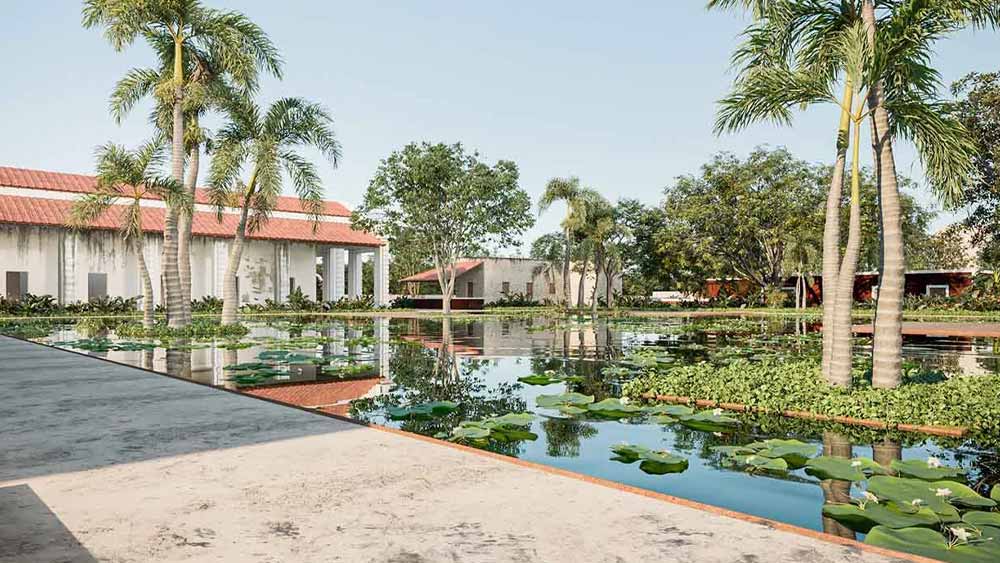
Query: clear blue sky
{"x":620,"y":94}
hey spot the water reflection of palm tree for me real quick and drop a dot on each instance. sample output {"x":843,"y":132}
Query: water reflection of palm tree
{"x":836,"y":491}
{"x":229,"y":357}
{"x":887,"y":451}
{"x":179,"y":358}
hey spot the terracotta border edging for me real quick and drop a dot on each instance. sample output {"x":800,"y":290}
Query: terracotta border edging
{"x":711,"y":509}
{"x":947,"y":431}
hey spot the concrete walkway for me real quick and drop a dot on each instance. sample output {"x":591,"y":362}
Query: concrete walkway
{"x":101,"y":462}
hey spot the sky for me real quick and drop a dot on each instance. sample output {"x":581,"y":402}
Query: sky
{"x":619,"y":94}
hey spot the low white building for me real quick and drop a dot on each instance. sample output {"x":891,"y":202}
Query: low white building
{"x":40,"y":255}
{"x":480,"y":281}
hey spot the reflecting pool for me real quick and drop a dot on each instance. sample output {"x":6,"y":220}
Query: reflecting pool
{"x":372,"y":369}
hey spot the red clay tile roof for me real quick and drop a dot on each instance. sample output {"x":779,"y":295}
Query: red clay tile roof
{"x":54,"y":213}
{"x":78,"y":183}
{"x":327,"y":394}
{"x":461,"y":267}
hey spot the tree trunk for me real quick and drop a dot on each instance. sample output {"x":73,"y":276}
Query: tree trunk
{"x":841,"y":360}
{"x":834,"y":491}
{"x":230,"y":296}
{"x":147,"y":285}
{"x":567,"y":288}
{"x":831,"y":232}
{"x":598,"y":262}
{"x":609,"y":297}
{"x":171,"y":276}
{"x":581,"y":286}
{"x":184,"y":234}
{"x":887,"y":348}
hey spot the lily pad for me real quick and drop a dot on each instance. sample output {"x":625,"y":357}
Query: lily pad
{"x":794,"y":452}
{"x":653,"y":462}
{"x":470,"y":432}
{"x":422,"y":410}
{"x":932,"y":544}
{"x":571,"y":410}
{"x":613,"y":408}
{"x":732,"y":450}
{"x":709,"y":421}
{"x":927,"y":470}
{"x":754,"y":463}
{"x":826,"y":467}
{"x":539,"y":380}
{"x":979,"y":518}
{"x":513,"y":419}
{"x":873,"y":514}
{"x":246,"y":366}
{"x":671,"y":410}
{"x":555,"y":401}
{"x":939,"y":496}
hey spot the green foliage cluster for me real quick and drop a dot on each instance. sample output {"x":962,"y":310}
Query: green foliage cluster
{"x":777,"y":386}
{"x":513,"y":300}
{"x":199,"y":328}
{"x":46,"y":305}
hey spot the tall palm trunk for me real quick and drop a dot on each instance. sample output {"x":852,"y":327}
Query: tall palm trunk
{"x":831,"y":232}
{"x":598,"y":263}
{"x":581,"y":286}
{"x":184,"y":234}
{"x":840,"y":367}
{"x":230,"y":296}
{"x":887,"y":348}
{"x":171,"y":275}
{"x":147,"y":285}
{"x":567,"y":288}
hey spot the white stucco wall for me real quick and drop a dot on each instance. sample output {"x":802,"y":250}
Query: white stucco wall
{"x":58,"y":262}
{"x":34,"y":250}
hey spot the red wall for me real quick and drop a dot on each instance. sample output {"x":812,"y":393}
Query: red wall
{"x":916,"y":284}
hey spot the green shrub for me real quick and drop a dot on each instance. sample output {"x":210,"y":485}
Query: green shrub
{"x":513,"y":300}
{"x":199,"y":328}
{"x":972,"y":401}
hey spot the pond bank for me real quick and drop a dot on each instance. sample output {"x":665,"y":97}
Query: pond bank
{"x":117,"y":463}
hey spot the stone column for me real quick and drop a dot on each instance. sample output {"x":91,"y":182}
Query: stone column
{"x":354,"y":270}
{"x":221,"y":257}
{"x":281,"y":287}
{"x":333,"y":274}
{"x":68,"y":266}
{"x":381,"y":264}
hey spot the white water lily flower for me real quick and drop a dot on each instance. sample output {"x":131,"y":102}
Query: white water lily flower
{"x":869,"y":496}
{"x":751,"y":458}
{"x":961,"y":534}
{"x":717,"y":434}
{"x":550,"y":372}
{"x":933,"y":462}
{"x":717,"y":412}
{"x":945,"y":492}
{"x":855,"y":464}
{"x":916,"y":502}
{"x":624,"y":400}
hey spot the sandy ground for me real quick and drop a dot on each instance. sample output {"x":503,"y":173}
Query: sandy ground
{"x":101,"y":462}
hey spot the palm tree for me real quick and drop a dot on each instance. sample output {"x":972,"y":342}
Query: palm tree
{"x":266,"y":143}
{"x":567,"y":190}
{"x":792,"y":56}
{"x":901,"y":102}
{"x":132,"y":176}
{"x":788,"y":62}
{"x":177,"y":30}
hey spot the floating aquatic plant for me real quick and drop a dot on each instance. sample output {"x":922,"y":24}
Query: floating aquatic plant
{"x":654,"y":462}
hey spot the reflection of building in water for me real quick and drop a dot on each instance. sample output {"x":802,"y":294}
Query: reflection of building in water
{"x":504,"y":338}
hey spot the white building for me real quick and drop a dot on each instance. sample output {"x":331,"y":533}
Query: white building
{"x":480,"y":281}
{"x":39,"y":255}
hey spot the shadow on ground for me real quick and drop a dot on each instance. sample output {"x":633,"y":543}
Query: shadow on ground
{"x":62,"y":411}
{"x":29,"y":531}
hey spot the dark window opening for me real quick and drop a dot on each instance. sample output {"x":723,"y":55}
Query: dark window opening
{"x":17,"y":285}
{"x":505,"y":288}
{"x":470,"y":286}
{"x":97,"y":286}
{"x":529,"y":289}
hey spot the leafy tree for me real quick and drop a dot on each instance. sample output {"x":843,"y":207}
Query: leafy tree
{"x":267,"y":143}
{"x":737,"y":216}
{"x":978,"y":108}
{"x":183,"y":34}
{"x":448,"y":201}
{"x":550,"y":248}
{"x":642,"y":269}
{"x":133,"y":176}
